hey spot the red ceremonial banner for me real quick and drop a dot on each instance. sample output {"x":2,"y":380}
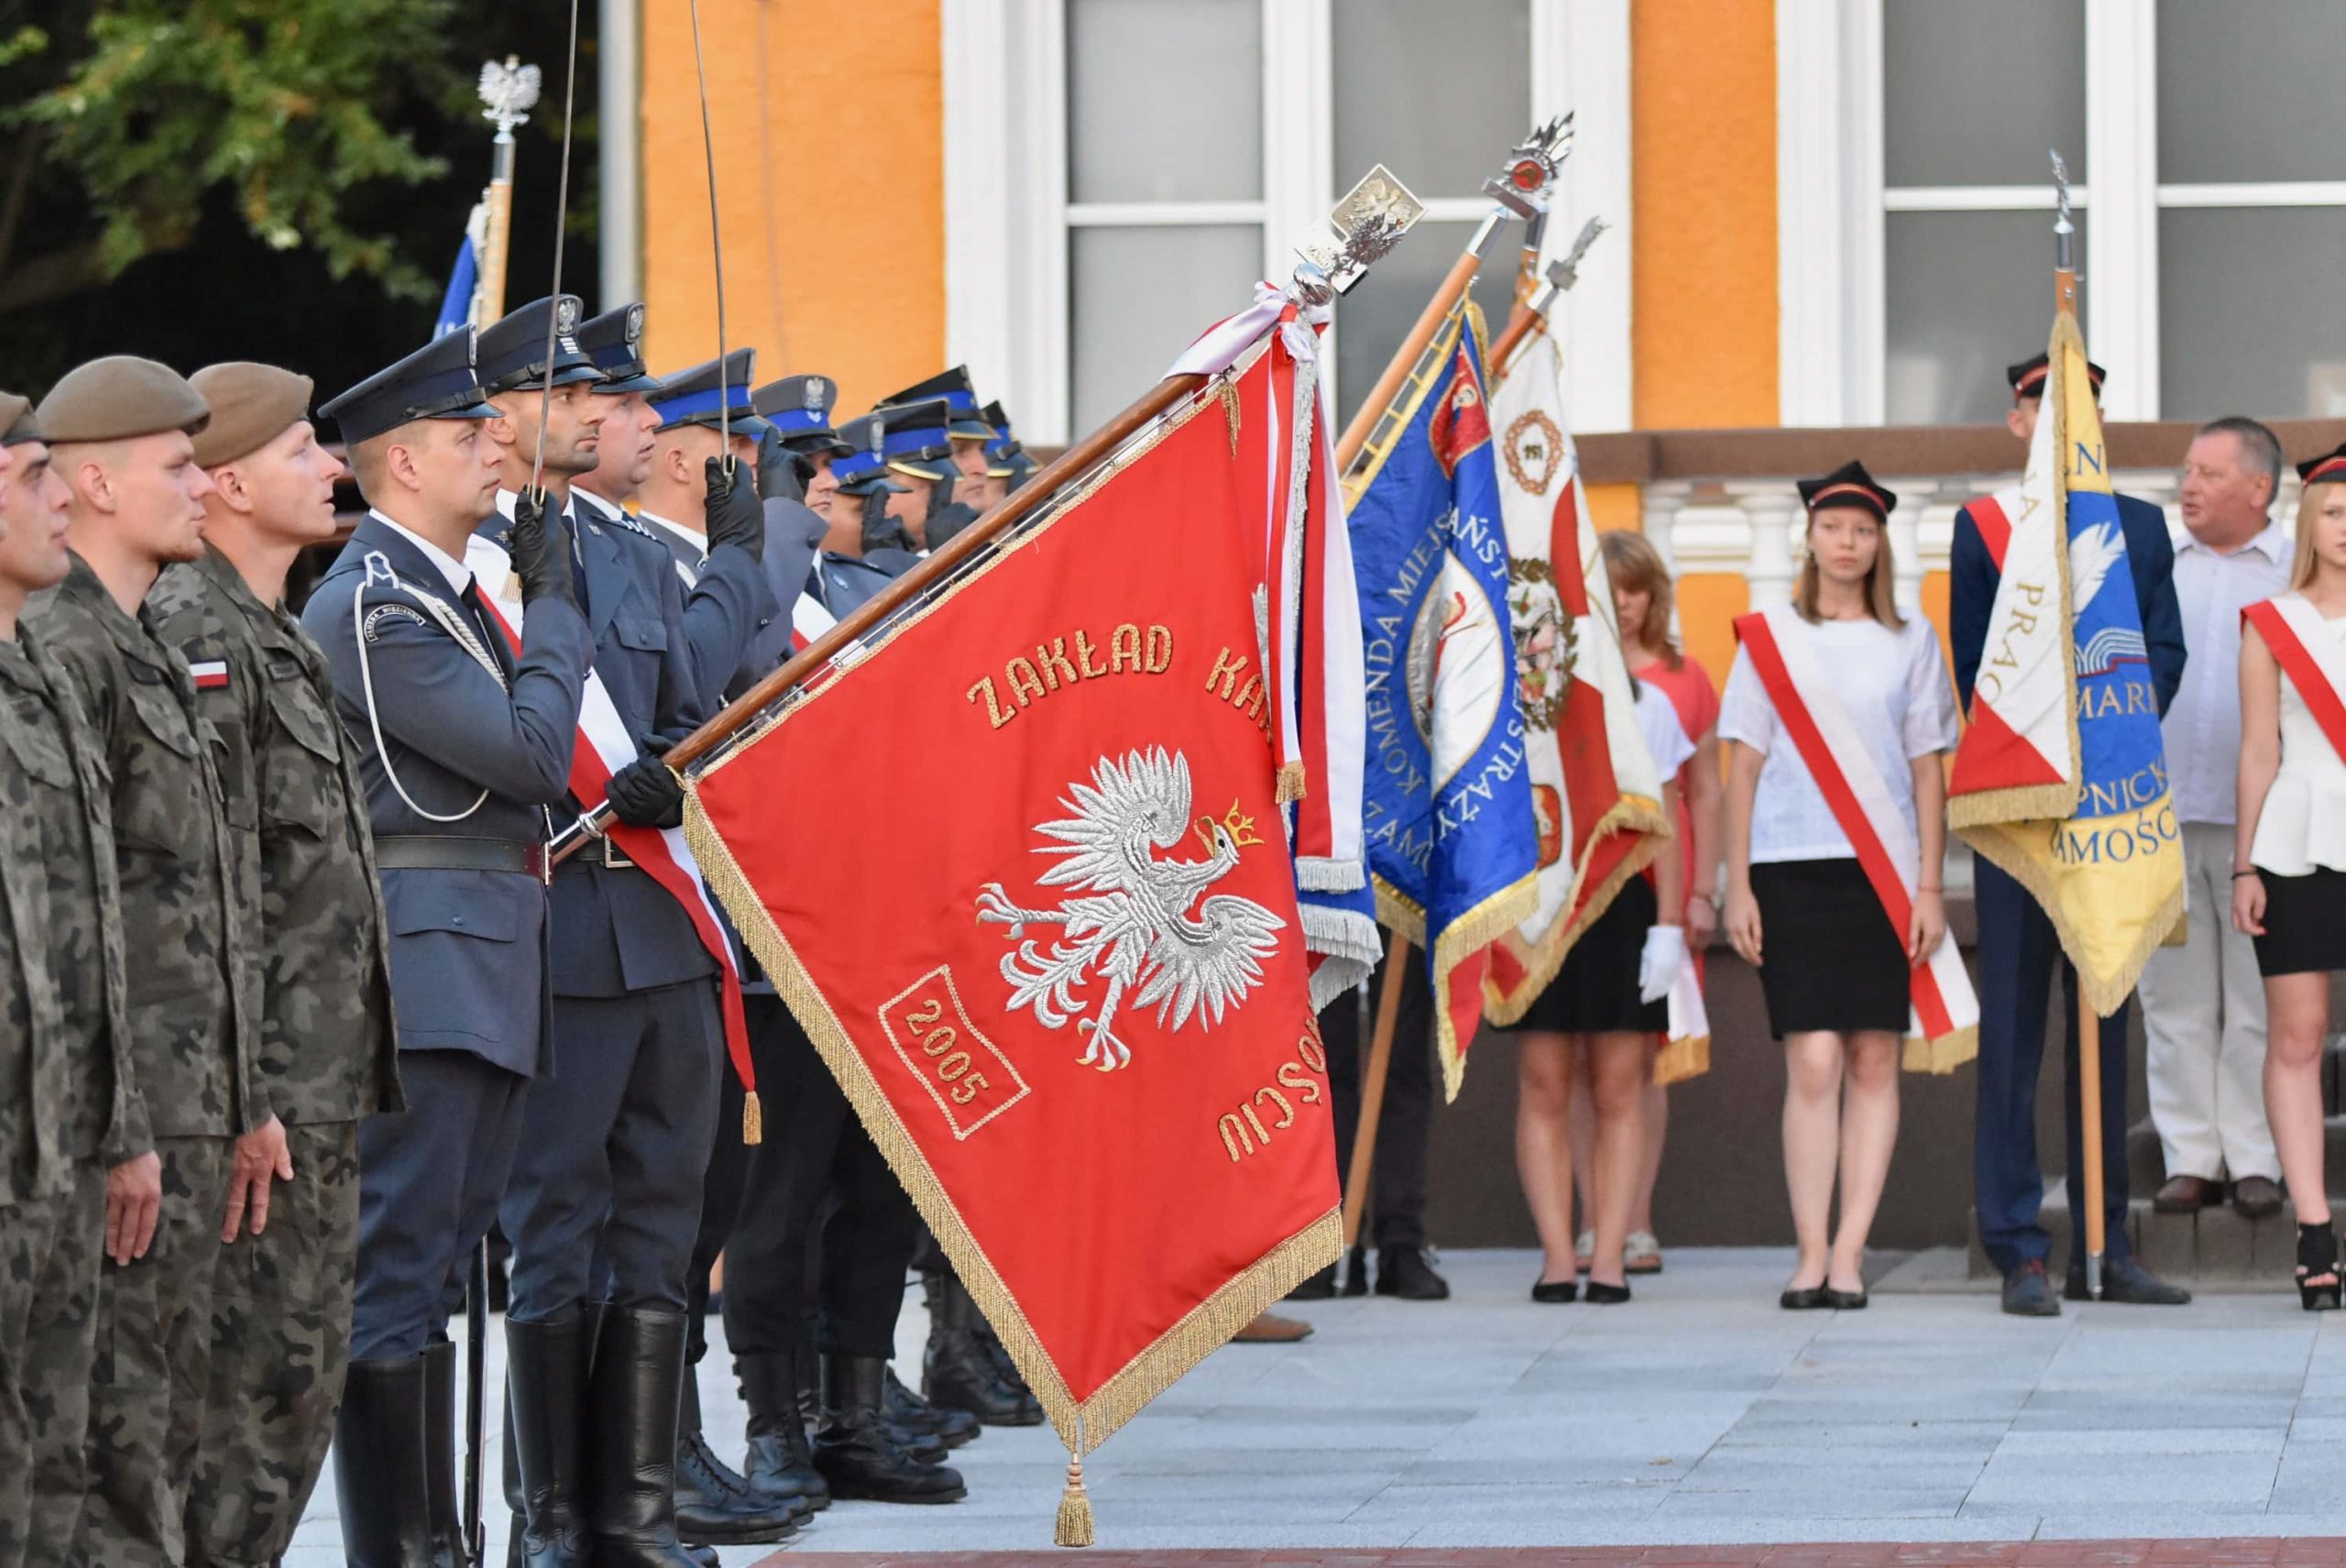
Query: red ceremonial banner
{"x":1030,"y":897}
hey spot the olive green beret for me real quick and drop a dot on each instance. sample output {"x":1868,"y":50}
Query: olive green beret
{"x":252,"y":405}
{"x":17,"y":421}
{"x":120,"y":397}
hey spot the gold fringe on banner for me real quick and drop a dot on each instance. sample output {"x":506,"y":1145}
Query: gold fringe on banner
{"x":753,"y":1119}
{"x":1630,"y":813}
{"x":1679,"y":1060}
{"x":1942,"y":1056}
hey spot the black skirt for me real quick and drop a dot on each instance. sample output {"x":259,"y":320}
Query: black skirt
{"x":2304,"y":923}
{"x":1829,"y":958}
{"x":1596,"y":991}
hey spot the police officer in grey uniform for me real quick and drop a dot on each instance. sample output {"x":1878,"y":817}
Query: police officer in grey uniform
{"x":463,"y":744}
{"x":855,"y":511}
{"x":920,"y":459}
{"x":728,"y":581}
{"x":605,"y":1196}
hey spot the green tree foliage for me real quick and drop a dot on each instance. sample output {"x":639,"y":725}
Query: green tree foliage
{"x":287,"y":106}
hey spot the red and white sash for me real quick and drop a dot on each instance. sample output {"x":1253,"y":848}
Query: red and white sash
{"x":604,"y":747}
{"x":2308,"y":656}
{"x":808,"y":620}
{"x":1942,"y":1030}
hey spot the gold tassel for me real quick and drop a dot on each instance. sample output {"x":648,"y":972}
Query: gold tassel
{"x":1075,"y":1508}
{"x":1290,"y":785}
{"x":753,"y":1119}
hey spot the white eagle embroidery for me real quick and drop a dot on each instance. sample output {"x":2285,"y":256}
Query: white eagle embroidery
{"x":1132,"y":920}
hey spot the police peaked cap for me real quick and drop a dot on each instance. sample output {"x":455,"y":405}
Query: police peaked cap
{"x":613,"y":344}
{"x":915,"y":441}
{"x":799,"y":409}
{"x":1849,"y":485}
{"x":700,"y":396}
{"x":512,"y":352}
{"x":2329,"y":468}
{"x":963,"y":423}
{"x":864,"y":466}
{"x":2028,"y":376}
{"x":437,"y":381}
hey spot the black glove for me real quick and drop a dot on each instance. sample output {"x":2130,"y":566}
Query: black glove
{"x":731,"y":510}
{"x":539,"y":546}
{"x":948,"y":520}
{"x":882,"y":532}
{"x":779,"y":478}
{"x":646,"y":793}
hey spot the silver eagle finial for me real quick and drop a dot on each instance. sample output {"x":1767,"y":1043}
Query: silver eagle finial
{"x":508,"y":91}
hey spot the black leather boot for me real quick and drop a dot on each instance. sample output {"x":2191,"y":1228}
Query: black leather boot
{"x":449,"y":1548}
{"x":631,"y":1399}
{"x":713,"y":1503}
{"x":378,"y":1465}
{"x":546,"y":1384}
{"x":1030,"y":1408}
{"x":908,"y":1411}
{"x":781,"y":1461}
{"x":956,"y":1371}
{"x":858,"y":1454}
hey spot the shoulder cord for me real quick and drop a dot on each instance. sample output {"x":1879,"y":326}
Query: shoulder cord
{"x":379,"y":574}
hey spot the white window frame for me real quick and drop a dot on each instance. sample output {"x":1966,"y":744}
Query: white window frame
{"x":1832,"y":199}
{"x":1007,"y":212}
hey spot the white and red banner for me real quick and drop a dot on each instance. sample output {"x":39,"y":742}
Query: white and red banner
{"x":2308,"y":656}
{"x":1943,"y":1032}
{"x":1595,"y":793}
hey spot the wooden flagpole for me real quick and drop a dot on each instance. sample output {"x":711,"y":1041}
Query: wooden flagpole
{"x":1372,"y":1085}
{"x":2097,"y":1237}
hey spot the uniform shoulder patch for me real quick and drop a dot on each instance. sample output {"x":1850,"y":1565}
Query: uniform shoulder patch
{"x":384,"y":615}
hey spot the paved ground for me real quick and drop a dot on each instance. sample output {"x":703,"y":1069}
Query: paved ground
{"x":1697,"y":1415}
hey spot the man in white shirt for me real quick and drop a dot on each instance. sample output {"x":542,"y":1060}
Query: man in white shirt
{"x":2203,"y":1003}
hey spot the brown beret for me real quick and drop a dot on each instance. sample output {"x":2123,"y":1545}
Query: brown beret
{"x":120,"y":397}
{"x":252,"y":405}
{"x":17,"y":421}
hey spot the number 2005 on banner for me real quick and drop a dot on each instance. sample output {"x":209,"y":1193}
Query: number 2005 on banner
{"x":971,"y":1080}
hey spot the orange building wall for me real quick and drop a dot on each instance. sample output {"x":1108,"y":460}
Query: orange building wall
{"x":1702,"y":117}
{"x":855,"y":288}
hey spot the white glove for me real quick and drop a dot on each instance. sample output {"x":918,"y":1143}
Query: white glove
{"x":1658,"y":966}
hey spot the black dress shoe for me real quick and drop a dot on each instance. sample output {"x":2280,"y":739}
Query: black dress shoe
{"x":1406,"y":1272}
{"x":1797,"y":1300}
{"x":2186,"y":1195}
{"x":1603,"y":1295}
{"x":1555,"y":1292}
{"x":1355,"y":1274}
{"x":1320,"y":1287}
{"x":2256,"y":1197}
{"x":2028,"y":1294}
{"x":2128,"y":1283}
{"x":1845,"y":1300}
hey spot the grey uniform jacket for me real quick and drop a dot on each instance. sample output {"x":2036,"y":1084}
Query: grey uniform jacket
{"x":615,"y":929}
{"x":469,"y":947}
{"x":726,"y":602}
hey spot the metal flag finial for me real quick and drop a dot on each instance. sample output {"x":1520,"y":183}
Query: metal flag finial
{"x":1369,"y":221}
{"x":2064,"y":231}
{"x":1564,"y":271}
{"x":1532,"y":168}
{"x":508,"y":91}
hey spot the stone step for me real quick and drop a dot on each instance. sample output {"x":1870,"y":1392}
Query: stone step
{"x":2146,"y":1163}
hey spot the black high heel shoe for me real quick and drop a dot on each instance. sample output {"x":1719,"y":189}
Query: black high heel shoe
{"x":2319,"y":1282}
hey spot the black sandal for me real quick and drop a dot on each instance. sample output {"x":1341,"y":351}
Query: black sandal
{"x":2319,"y":1283}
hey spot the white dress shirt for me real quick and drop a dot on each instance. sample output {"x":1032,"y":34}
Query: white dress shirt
{"x":2202,"y":726}
{"x":1894,"y":687}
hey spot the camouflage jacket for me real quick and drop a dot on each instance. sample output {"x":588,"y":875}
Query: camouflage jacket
{"x":193,"y":1030}
{"x":297,"y":812}
{"x":66,"y":1038}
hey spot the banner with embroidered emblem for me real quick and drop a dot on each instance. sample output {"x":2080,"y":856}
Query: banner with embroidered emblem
{"x":1448,"y":810}
{"x":2061,"y":775}
{"x":1596,"y":797}
{"x":1070,"y":1005}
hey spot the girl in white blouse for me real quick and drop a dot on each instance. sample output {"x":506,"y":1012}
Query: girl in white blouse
{"x":1835,"y":972}
{"x":2289,"y":847}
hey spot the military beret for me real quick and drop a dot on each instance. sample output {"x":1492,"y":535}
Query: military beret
{"x":17,"y":421}
{"x":252,"y":405}
{"x":120,"y":397}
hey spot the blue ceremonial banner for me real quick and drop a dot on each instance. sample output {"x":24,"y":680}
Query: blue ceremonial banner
{"x":2061,"y":778}
{"x":464,"y":278}
{"x":1452,"y":846}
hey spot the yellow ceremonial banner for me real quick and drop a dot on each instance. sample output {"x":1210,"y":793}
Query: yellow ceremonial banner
{"x":2065,"y":710}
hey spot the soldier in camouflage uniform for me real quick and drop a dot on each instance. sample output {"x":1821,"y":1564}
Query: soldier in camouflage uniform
{"x":120,"y":430}
{"x":65,"y":1037}
{"x":281,"y":1306}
